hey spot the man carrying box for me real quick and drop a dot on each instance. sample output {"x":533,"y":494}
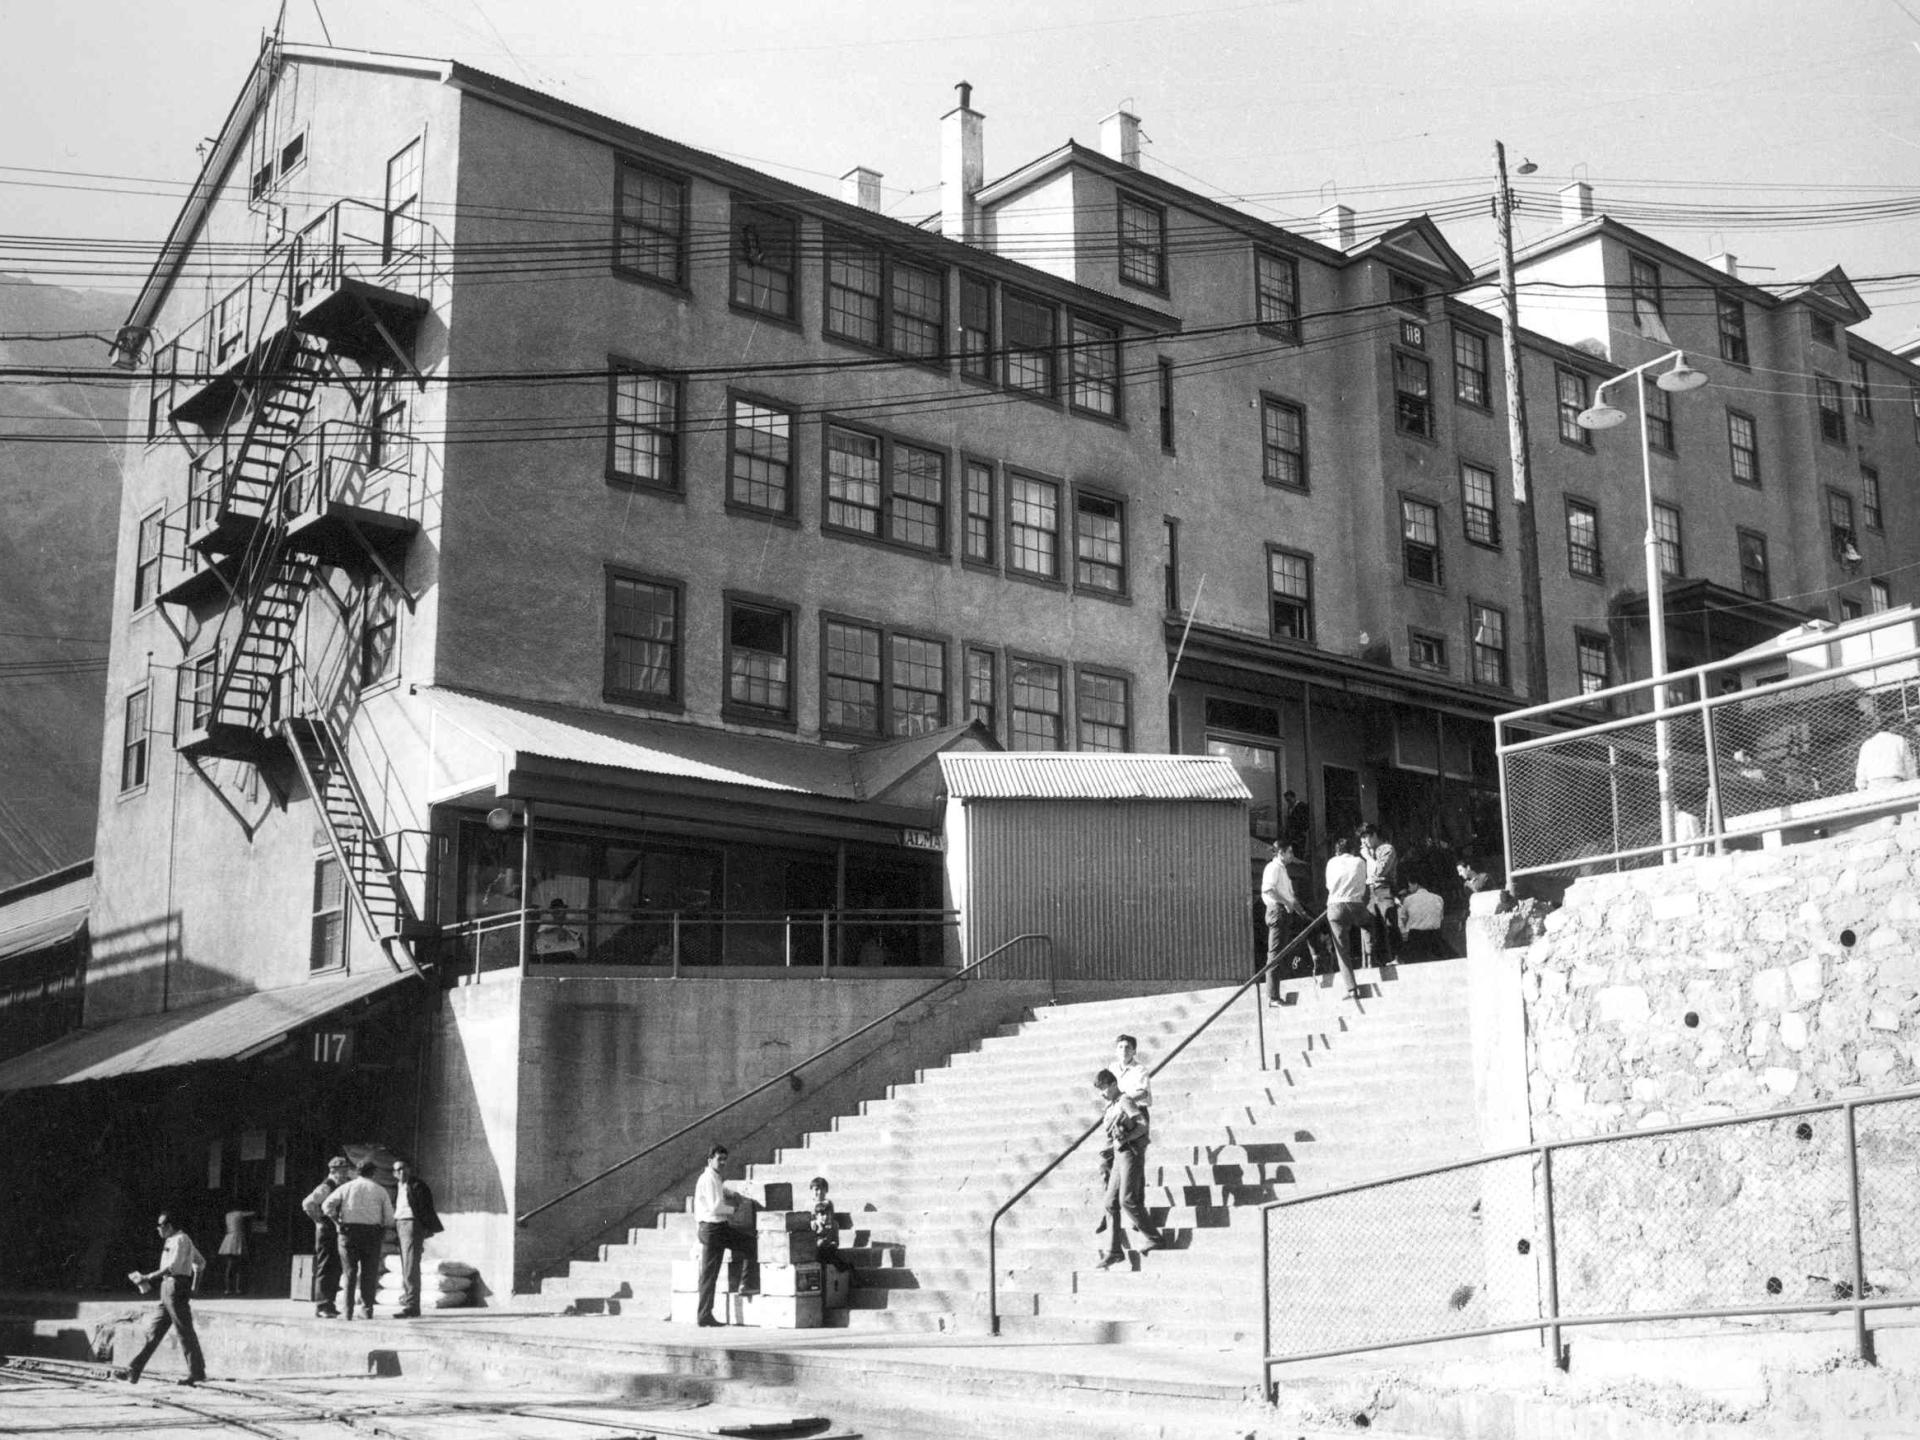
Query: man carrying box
{"x":714,"y":1202}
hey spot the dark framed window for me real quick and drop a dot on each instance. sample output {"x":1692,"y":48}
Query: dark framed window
{"x":852,"y":686}
{"x":1276,"y":294}
{"x":1732,"y":316}
{"x":1143,"y":244}
{"x":916,"y":685}
{"x":1851,"y":609}
{"x":888,"y":489}
{"x":1570,"y":388}
{"x":855,"y":283}
{"x":1283,"y":443}
{"x":1036,"y":691}
{"x":1879,"y":596}
{"x":759,"y":660}
{"x":874,"y":299}
{"x":982,"y":522}
{"x":1170,"y":569}
{"x":765,"y":248}
{"x":1583,"y":539}
{"x":1487,"y":625}
{"x":193,"y":700}
{"x":1840,"y":524}
{"x":1593,"y":660}
{"x":1821,"y":328}
{"x":230,"y":325}
{"x":1754,"y":577}
{"x":916,"y":310}
{"x":650,"y":234}
{"x":760,"y":455}
{"x":1743,"y":445}
{"x":1833,"y":419}
{"x":327,"y":947}
{"x":1102,"y":716}
{"x":389,"y":430}
{"x":1290,"y":595}
{"x":134,"y":739}
{"x":1427,"y":651}
{"x":1093,"y":367}
{"x":1479,"y":512}
{"x":983,"y":694}
{"x":1643,"y":282}
{"x":1862,"y":388}
{"x":1659,"y":405}
{"x":379,"y":633}
{"x":1668,"y":543}
{"x":976,"y":328}
{"x":1412,"y":394}
{"x":1032,"y":328}
{"x":1033,"y":526}
{"x":402,"y":232}
{"x":1870,"y":498}
{"x":1407,"y":292}
{"x":1420,"y":542}
{"x":1472,"y":373}
{"x":643,"y":440}
{"x":1099,"y":543}
{"x":643,"y":660}
{"x":1166,"y":406}
{"x":146,"y":561}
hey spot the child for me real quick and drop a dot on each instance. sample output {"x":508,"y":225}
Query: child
{"x":825,"y":1225}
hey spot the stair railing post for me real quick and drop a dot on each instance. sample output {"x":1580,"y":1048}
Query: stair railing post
{"x":786,"y":939}
{"x":1862,"y":1341}
{"x":1260,"y":1019}
{"x":1551,"y":1259}
{"x":826,"y":941}
{"x":676,"y":944}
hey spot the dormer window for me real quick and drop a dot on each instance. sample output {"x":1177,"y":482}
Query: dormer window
{"x":1407,"y":292}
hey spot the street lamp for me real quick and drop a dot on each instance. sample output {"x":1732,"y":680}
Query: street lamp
{"x":1677,"y":378}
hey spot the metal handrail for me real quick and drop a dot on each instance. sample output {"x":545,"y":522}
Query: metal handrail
{"x":789,"y":1075}
{"x":1292,"y":947}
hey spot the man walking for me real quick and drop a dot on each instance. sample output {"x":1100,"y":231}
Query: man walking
{"x":714,"y":1203}
{"x":1383,"y":900}
{"x":1285,"y":914}
{"x":1132,"y":1077}
{"x":326,"y":1239}
{"x":416,"y":1221}
{"x":180,"y":1265}
{"x":1346,"y":907}
{"x":1123,"y":1169}
{"x":363,"y":1210}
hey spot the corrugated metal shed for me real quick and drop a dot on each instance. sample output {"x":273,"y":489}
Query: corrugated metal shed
{"x":47,"y":917}
{"x":1032,"y":775}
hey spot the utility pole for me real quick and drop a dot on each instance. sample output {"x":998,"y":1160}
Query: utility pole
{"x":1534,"y":624}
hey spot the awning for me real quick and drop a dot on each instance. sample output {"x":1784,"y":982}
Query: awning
{"x":1070,"y":775}
{"x":230,"y":1029}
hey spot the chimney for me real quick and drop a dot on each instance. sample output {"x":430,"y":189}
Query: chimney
{"x":1336,"y":226}
{"x":1120,"y":137}
{"x":1576,"y":203}
{"x":962,"y":169}
{"x":1725,"y":263}
{"x":861,"y":186}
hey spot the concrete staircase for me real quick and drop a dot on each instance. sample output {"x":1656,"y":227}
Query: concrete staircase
{"x":1351,"y":1092}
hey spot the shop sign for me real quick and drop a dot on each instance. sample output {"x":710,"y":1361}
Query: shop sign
{"x":923,"y":840}
{"x":331,"y":1047}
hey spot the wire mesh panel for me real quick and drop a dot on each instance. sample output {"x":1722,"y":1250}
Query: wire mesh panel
{"x":1430,"y":1256}
{"x":1585,"y":798}
{"x":1887,"y":1135}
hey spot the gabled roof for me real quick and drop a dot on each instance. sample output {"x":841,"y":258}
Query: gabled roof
{"x":1420,"y":243}
{"x":1832,"y":292}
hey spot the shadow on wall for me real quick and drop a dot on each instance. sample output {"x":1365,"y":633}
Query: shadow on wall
{"x":468,"y":1116}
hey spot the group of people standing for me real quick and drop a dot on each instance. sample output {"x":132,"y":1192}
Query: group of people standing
{"x":351,"y":1213}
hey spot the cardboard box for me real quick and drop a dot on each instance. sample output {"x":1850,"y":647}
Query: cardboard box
{"x":686,"y":1277}
{"x":785,"y":1312}
{"x":300,"y":1282}
{"x":789,"y":1279}
{"x":788,"y":1247}
{"x":836,"y":1288}
{"x":785,"y":1220}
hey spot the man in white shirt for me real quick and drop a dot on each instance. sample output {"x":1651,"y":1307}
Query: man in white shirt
{"x":1346,"y":907}
{"x":362,"y":1210}
{"x":1123,"y":1168}
{"x":1285,"y":913}
{"x":179,"y":1274}
{"x":1886,"y":760}
{"x":1130,"y":1074}
{"x":1421,"y":914}
{"x":715,"y":1204}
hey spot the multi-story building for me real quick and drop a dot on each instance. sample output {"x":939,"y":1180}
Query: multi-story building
{"x":530,"y":513}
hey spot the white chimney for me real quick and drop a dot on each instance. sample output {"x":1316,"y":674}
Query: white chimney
{"x":1120,"y":137}
{"x":1576,"y":202}
{"x":1336,"y":226}
{"x":861,"y":186}
{"x":962,"y":168}
{"x":1725,"y":263}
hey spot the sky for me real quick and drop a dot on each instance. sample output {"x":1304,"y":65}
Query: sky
{"x":1785,"y":131}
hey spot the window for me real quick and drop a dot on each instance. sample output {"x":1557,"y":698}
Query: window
{"x":403,"y":231}
{"x":1743,"y":442}
{"x":146,"y":561}
{"x":133,"y":741}
{"x":976,"y":328}
{"x":850,"y":687}
{"x":1426,"y":651}
{"x":1283,"y":443}
{"x":1659,"y":405}
{"x":1667,"y":542}
{"x":1733,"y":328}
{"x":1471,"y":376}
{"x":1420,"y":541}
{"x":853,"y":291}
{"x":194,"y":701}
{"x":1039,"y":704}
{"x":1594,"y":663}
{"x":1879,"y":596}
{"x":388,"y":431}
{"x":643,"y":640}
{"x":1276,"y":294}
{"x":1031,"y":326}
{"x":1412,"y":394}
{"x":873,"y":299}
{"x":1407,"y":292}
{"x":1166,"y":406}
{"x":917,"y":310}
{"x":1571,"y":389}
{"x":1170,"y":571}
{"x":759,"y":660}
{"x":1753,"y":565}
{"x":1100,"y":711}
{"x":1840,"y":526}
{"x":328,"y":947}
{"x":861,"y":695}
{"x":760,"y":464}
{"x":293,"y":154}
{"x":644,"y":444}
{"x":887,"y":489}
{"x":166,"y":362}
{"x":1143,"y":244}
{"x":1033,"y":526}
{"x":379,"y":630}
{"x":1862,"y":390}
{"x":1583,"y":539}
{"x":1833,"y":420}
{"x":650,"y":239}
{"x":1643,"y":281}
{"x":1093,"y":367}
{"x":764,"y":246}
{"x":916,"y":685}
{"x":1821,"y":328}
{"x":1851,"y":609}
{"x":1290,"y":595}
{"x":229,"y":326}
{"x":1870,"y":498}
{"x":1099,"y":543}
{"x":1482,"y":520}
{"x":978,"y":540}
{"x":983,"y":707}
{"x":1488,"y":626}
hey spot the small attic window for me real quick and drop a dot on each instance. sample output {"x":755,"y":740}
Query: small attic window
{"x":1822,"y":331}
{"x":293,"y":154}
{"x":1407,"y":292}
{"x":262,"y":182}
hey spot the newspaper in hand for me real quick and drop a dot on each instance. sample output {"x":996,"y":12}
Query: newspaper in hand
{"x":139,"y":1282}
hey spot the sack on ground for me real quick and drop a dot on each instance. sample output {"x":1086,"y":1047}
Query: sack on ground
{"x":454,"y":1284}
{"x":454,"y":1267}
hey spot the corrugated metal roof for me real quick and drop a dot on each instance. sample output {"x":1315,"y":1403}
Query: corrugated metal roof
{"x":42,"y":919}
{"x":1031,"y":775}
{"x":217,"y":1030}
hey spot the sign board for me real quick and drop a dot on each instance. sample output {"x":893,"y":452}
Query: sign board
{"x":331,"y":1047}
{"x":923,"y":840}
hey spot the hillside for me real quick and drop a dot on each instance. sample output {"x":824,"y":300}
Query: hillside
{"x":59,"y":500}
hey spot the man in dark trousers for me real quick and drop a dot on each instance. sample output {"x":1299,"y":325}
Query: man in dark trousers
{"x":326,"y":1239}
{"x":416,"y":1220}
{"x":180,"y":1265}
{"x":1123,"y":1169}
{"x":715,"y":1204}
{"x":363,"y":1210}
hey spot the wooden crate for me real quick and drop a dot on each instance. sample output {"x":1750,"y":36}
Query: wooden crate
{"x":686,"y":1277}
{"x":836,"y":1287}
{"x":784,"y":1220}
{"x":785,"y":1312}
{"x":300,"y":1281}
{"x":788,"y":1247}
{"x":790,"y":1280}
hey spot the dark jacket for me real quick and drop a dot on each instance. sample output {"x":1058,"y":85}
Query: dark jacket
{"x":426,"y":1219}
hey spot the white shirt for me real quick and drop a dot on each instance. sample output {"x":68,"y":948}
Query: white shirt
{"x":359,"y":1202}
{"x":1885,"y":759}
{"x":1346,"y":880}
{"x":713,"y":1199}
{"x":1276,"y":888}
{"x":1135,"y":1084}
{"x":180,"y":1256}
{"x":1421,"y":910}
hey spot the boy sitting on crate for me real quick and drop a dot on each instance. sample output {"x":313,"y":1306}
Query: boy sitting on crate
{"x":825,"y":1226}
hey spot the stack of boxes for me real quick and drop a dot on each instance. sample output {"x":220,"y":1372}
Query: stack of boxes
{"x":796,"y":1290}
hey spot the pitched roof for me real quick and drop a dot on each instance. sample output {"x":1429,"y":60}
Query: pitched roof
{"x":1045,"y":775}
